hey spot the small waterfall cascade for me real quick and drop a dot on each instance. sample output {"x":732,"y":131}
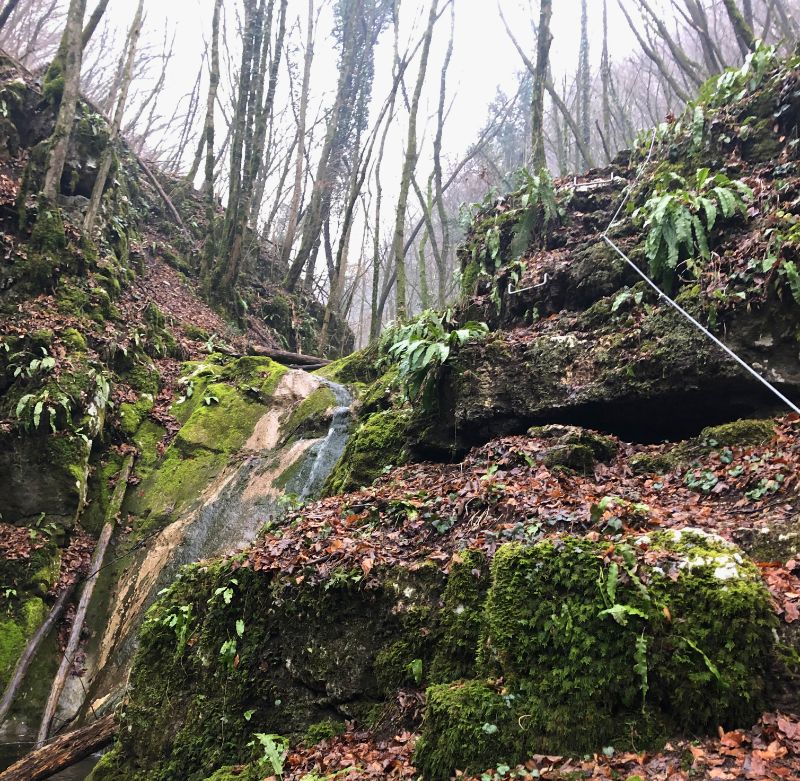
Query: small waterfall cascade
{"x":250,"y":493}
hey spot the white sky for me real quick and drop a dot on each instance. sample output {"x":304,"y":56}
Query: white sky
{"x":483,"y":57}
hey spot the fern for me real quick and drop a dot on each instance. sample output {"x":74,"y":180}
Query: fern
{"x":423,"y":345}
{"x":541,"y":209}
{"x":679,"y":217}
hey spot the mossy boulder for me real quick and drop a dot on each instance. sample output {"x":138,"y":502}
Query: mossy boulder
{"x":598,"y":646}
{"x":565,"y":646}
{"x":45,"y":473}
{"x":312,"y":416}
{"x":574,"y":448}
{"x":739,"y":432}
{"x":228,"y":397}
{"x":378,"y":442}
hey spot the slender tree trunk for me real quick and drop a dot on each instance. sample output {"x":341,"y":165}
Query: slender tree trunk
{"x":605,"y":77}
{"x":438,"y":178}
{"x":687,"y":66}
{"x":108,"y":152}
{"x":209,"y":244}
{"x":584,"y":83}
{"x":653,"y":55}
{"x":71,"y":72}
{"x":6,"y":12}
{"x":25,"y":661}
{"x":315,"y":214}
{"x":409,"y":164}
{"x":743,"y":31}
{"x":299,"y":170}
{"x":94,"y":21}
{"x":543,"y":41}
{"x":86,"y":598}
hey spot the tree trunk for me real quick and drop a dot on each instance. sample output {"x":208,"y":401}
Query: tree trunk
{"x":653,"y":55}
{"x":584,"y":83}
{"x":209,"y":244}
{"x":299,"y":170}
{"x":605,"y":77}
{"x":743,"y":31}
{"x":6,"y":12}
{"x":86,"y":597}
{"x":63,"y":752}
{"x":107,"y":157}
{"x":71,"y":73}
{"x":94,"y":20}
{"x":543,"y":41}
{"x":409,"y":164}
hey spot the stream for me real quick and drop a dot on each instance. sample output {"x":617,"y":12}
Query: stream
{"x":236,"y":507}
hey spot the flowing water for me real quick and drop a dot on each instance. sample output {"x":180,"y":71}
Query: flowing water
{"x":229,"y":517}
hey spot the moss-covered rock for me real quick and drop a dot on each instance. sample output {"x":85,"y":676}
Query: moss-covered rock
{"x":228,"y":397}
{"x":45,"y":473}
{"x":17,"y":624}
{"x":311,"y":417}
{"x":377,"y":443}
{"x":739,"y":432}
{"x":673,"y":633}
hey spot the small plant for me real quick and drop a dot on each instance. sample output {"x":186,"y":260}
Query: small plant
{"x":180,"y":621}
{"x":275,"y":747}
{"x":26,"y":366}
{"x":679,"y":217}
{"x":425,"y":344}
{"x":734,"y":84}
{"x":540,"y":209}
{"x":32,"y":406}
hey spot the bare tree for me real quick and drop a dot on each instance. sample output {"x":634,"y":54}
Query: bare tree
{"x":69,"y":67}
{"x":409,"y":164}
{"x":116,"y":124}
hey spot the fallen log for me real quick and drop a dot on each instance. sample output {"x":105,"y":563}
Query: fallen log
{"x":29,"y":654}
{"x":86,"y":598}
{"x":292,"y":359}
{"x":62,"y":752}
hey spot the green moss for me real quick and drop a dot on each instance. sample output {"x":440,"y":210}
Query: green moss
{"x":382,"y":393}
{"x":468,"y":726}
{"x":655,"y":463}
{"x":461,"y":619}
{"x":223,"y":424}
{"x":323,"y":730}
{"x":235,"y":773}
{"x":380,"y":441}
{"x":99,"y":492}
{"x":131,"y":416}
{"x":143,"y":378}
{"x":15,"y":629}
{"x":217,"y":420}
{"x":358,"y":367}
{"x":740,"y":432}
{"x":196,"y":333}
{"x":309,"y":419}
{"x":74,"y":340}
